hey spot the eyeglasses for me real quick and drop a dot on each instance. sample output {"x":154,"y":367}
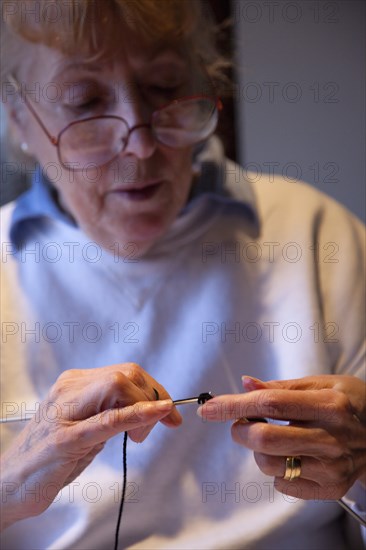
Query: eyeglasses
{"x":98,"y":140}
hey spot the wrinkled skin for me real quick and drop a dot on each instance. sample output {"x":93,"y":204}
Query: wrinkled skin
{"x":327,"y":429}
{"x":83,"y":409}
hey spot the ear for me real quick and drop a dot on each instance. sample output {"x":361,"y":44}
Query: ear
{"x":16,"y":118}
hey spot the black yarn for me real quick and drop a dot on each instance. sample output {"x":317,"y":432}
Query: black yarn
{"x":124,"y":452}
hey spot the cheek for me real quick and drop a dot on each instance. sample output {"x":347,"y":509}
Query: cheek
{"x":181,"y":164}
{"x":79,"y":194}
{"x":39,"y":146}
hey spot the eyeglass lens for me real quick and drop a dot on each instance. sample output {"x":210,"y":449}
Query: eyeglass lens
{"x":179,"y":124}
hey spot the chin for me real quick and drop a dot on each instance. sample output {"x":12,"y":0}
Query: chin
{"x":146,"y":228}
{"x":133,"y":243}
{"x":131,"y":250}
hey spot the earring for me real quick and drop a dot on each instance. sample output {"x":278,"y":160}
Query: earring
{"x":24,"y":146}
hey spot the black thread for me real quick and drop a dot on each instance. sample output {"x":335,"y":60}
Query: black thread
{"x":124,"y":452}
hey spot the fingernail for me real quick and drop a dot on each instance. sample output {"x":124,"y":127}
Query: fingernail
{"x":242,"y":420}
{"x":205,"y":414}
{"x":250,"y":383}
{"x":163,"y":405}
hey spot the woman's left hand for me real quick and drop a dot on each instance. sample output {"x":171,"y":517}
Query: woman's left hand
{"x":326,"y":428}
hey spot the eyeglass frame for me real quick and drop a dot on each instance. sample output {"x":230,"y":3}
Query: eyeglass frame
{"x":56,"y":140}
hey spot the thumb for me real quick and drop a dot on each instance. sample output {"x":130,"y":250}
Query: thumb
{"x":104,"y":425}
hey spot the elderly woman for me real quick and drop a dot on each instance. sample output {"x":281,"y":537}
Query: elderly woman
{"x":142,"y":265}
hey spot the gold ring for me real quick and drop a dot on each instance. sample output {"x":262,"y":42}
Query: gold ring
{"x":293,"y":468}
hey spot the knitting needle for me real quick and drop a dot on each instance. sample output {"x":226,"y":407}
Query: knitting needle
{"x":14,"y":419}
{"x":200,"y":399}
{"x":203,"y":397}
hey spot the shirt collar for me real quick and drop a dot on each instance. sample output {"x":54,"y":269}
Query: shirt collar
{"x":216,"y":178}
{"x":36,"y":205}
{"x":222,"y":180}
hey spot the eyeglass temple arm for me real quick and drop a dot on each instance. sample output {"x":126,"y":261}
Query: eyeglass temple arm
{"x":18,"y":90}
{"x":218,"y":100}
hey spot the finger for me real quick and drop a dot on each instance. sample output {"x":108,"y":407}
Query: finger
{"x":147,"y":384}
{"x":75,"y":398}
{"x":124,"y":374}
{"x":318,"y":480}
{"x":318,"y":382}
{"x":310,"y":490}
{"x":135,"y":374}
{"x":306,"y":383}
{"x":104,"y":388}
{"x":101,"y":427}
{"x":349,"y":432}
{"x":323,"y":471}
{"x":143,"y":381}
{"x":174,"y":418}
{"x":275,"y":466}
{"x":286,"y":440}
{"x":312,"y":405}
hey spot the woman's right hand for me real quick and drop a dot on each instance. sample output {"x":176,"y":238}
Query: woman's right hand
{"x":83,"y":409}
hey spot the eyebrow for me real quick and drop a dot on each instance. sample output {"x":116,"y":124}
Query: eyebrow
{"x":160,"y":56}
{"x":166,"y":54}
{"x":78,"y":66}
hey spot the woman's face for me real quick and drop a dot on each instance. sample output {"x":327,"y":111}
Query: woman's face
{"x":135,"y":197}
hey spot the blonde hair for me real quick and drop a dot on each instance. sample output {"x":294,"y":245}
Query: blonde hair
{"x":92,"y":26}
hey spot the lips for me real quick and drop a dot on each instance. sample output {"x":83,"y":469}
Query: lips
{"x":139,"y":192}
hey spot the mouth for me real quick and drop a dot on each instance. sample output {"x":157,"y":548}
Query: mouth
{"x":138,"y":193}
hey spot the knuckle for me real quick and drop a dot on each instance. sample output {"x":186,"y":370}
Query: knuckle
{"x":112,"y":419}
{"x":342,"y":403}
{"x":63,"y":383}
{"x":236,"y":434}
{"x":345,"y":467}
{"x":67,"y":374}
{"x":333,"y":471}
{"x":262,"y":437}
{"x":264,"y":462}
{"x":135,"y":373}
{"x":57,"y":390}
{"x":338,"y":404}
{"x":272,"y":402}
{"x":114,"y":383}
{"x":119,"y":417}
{"x":337,"y":449}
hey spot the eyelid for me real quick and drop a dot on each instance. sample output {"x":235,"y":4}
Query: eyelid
{"x":81,"y":90}
{"x":165,"y":89}
{"x":168,"y":78}
{"x":162,"y":88}
{"x":169,"y":61}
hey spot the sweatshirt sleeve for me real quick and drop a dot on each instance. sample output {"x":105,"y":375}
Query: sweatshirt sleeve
{"x":339,"y":249}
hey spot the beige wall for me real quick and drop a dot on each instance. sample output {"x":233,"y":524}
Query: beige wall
{"x":301,"y":92}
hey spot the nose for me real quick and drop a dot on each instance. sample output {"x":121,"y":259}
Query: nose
{"x":140,"y":141}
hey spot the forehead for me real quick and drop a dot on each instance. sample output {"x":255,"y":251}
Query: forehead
{"x":129,"y":52}
{"x":43,"y":63}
